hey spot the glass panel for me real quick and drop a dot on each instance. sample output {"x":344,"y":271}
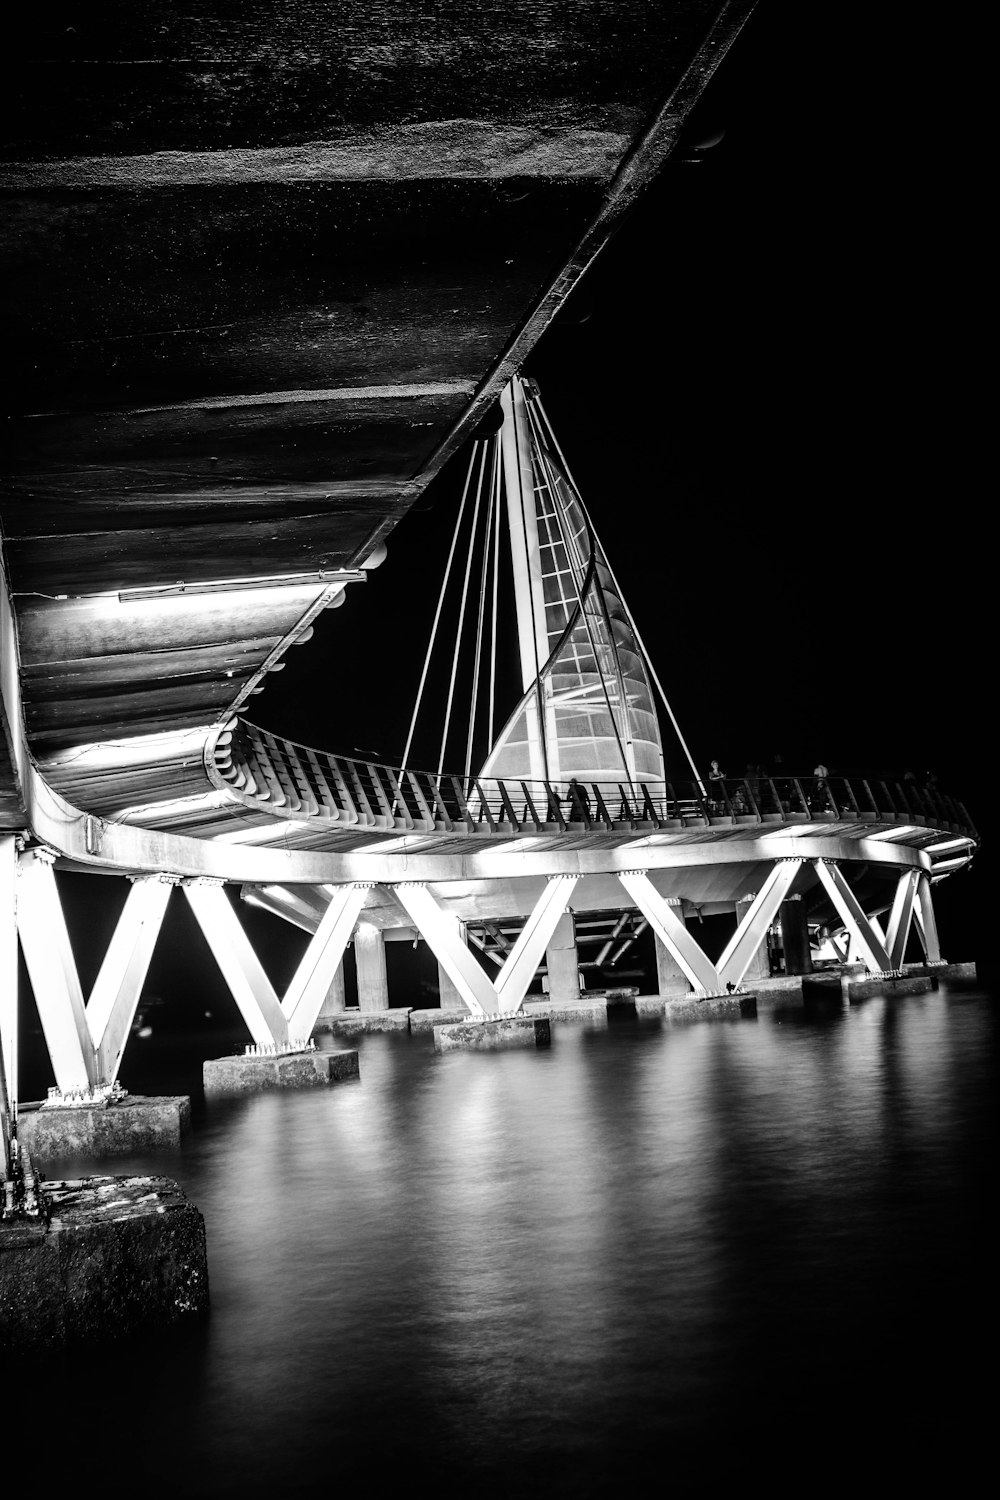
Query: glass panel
{"x":600,"y":719}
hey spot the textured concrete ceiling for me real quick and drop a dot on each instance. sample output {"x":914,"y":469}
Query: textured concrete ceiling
{"x":266,"y":267}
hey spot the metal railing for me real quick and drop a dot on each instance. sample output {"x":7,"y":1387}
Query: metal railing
{"x":300,"y":782}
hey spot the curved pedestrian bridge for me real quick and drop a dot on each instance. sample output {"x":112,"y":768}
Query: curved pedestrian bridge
{"x":247,"y":791}
{"x":356,"y":797}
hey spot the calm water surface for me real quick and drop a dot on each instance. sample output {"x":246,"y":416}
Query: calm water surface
{"x":646,"y":1259}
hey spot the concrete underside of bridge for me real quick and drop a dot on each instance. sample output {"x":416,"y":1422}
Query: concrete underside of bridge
{"x":265,"y":271}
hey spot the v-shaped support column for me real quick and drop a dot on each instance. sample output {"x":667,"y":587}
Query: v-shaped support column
{"x":290,"y":1021}
{"x":700,"y":970}
{"x":241,"y":968}
{"x":311,"y":981}
{"x":8,"y":996}
{"x":866,"y":940}
{"x":85,"y":1043}
{"x":901,"y":917}
{"x":441,"y":933}
{"x":751,"y":932}
{"x":854,"y":953}
{"x":926,"y":921}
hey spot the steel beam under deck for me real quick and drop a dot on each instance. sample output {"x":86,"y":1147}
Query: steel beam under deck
{"x":751,"y":932}
{"x":700,"y":971}
{"x":85,"y":1042}
{"x":869,"y":944}
{"x":900,"y":917}
{"x":441,"y":932}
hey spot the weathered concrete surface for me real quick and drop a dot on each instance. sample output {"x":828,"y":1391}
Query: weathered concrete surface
{"x":346,"y":1021}
{"x":779,"y":992}
{"x":493,"y":1036}
{"x":944,"y":971}
{"x":133,"y":1124}
{"x":682,"y":1010}
{"x":426,"y":1020}
{"x":119,"y":1256}
{"x":590,"y":1008}
{"x":822,"y":986}
{"x":624,"y":994}
{"x":294,"y":1070}
{"x":862,"y":989}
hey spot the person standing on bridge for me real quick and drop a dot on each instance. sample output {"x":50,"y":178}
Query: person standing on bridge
{"x":818,"y":802}
{"x":579,"y":800}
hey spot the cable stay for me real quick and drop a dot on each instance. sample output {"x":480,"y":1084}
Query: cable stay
{"x":587,"y":710}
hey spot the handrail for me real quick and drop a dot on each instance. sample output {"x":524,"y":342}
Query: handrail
{"x":299,"y":782}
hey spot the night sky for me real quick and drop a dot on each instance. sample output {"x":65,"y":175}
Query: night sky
{"x":762,"y":387}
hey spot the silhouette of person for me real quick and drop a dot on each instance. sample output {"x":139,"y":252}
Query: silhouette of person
{"x":819,"y":798}
{"x":578,"y":798}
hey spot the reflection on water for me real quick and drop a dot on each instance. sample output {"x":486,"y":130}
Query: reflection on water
{"x":644,"y":1259}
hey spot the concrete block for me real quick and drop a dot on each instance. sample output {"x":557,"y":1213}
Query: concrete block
{"x":944,"y":970}
{"x":289,"y":1070}
{"x":126,"y":1127}
{"x":493,"y":1036}
{"x":118,"y":1256}
{"x":426,"y":1020}
{"x":591,"y":1009}
{"x":682,"y":1010}
{"x":779,"y":992}
{"x":348,"y":1022}
{"x":779,"y":984}
{"x":624,"y":994}
{"x":823,"y":987}
{"x":912,"y":984}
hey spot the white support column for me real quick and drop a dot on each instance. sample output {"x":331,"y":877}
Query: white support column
{"x":250,"y":986}
{"x":752,"y":931}
{"x":901,"y":916}
{"x":53,"y":974}
{"x":926,"y":922}
{"x":670,"y":930}
{"x":8,"y":987}
{"x":336,"y":996}
{"x":522,"y":521}
{"x":440,"y":930}
{"x":525,"y":956}
{"x":448,"y":996}
{"x":872,"y":950}
{"x":370,"y":966}
{"x":311,"y":982}
{"x":113,"y":1000}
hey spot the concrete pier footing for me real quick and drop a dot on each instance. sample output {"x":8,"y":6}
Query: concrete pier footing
{"x":912,"y":984}
{"x":124,"y":1128}
{"x":118,"y":1256}
{"x":353,"y":1020}
{"x":493,"y":1036}
{"x":943,"y":970}
{"x":683,"y":1009}
{"x":854,"y":983}
{"x":426,"y":1020}
{"x":591,"y":1009}
{"x":779,"y":992}
{"x":289,"y":1070}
